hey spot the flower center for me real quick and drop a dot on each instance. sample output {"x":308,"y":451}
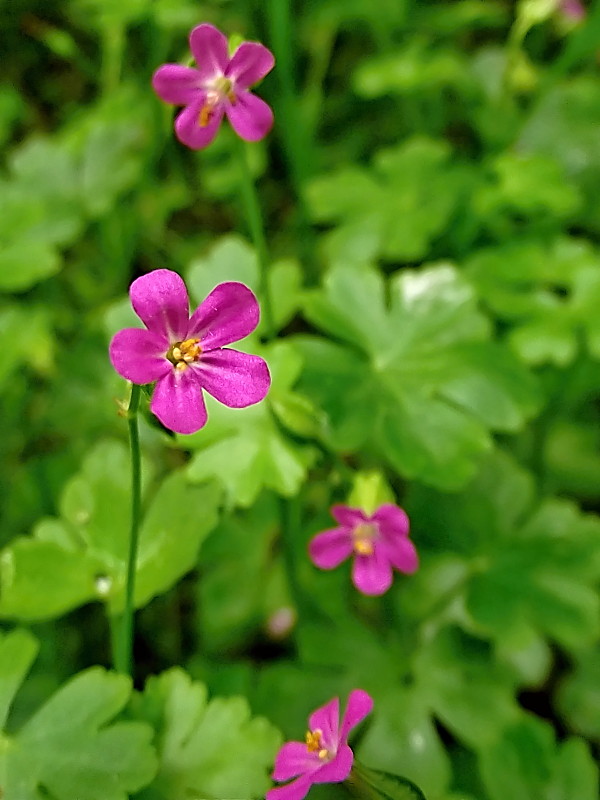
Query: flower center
{"x":217,"y":91}
{"x":363,"y":538}
{"x":182,"y":354}
{"x":313,"y":744}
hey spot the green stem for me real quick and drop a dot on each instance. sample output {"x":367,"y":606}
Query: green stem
{"x":296,"y":143}
{"x":123,"y":656}
{"x":257,"y":232}
{"x":113,"y":47}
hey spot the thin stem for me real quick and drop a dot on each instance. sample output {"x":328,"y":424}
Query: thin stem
{"x":255,"y":224}
{"x":113,"y":47}
{"x":296,"y":143}
{"x":123,"y":656}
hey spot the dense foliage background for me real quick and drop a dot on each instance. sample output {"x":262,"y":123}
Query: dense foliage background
{"x":430,"y":191}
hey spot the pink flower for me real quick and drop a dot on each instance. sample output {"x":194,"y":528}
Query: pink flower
{"x":185,"y":354}
{"x":379,"y":542}
{"x":217,"y":85}
{"x":573,"y":10}
{"x":325,"y":756}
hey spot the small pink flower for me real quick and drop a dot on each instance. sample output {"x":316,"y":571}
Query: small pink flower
{"x":217,"y":85}
{"x":573,"y":10}
{"x":185,"y":354}
{"x":379,"y":543}
{"x":325,"y":756}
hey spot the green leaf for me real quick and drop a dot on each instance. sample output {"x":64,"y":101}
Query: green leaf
{"x":232,"y":259}
{"x":525,"y":762}
{"x":70,"y":749}
{"x":23,"y":264}
{"x":562,"y":127}
{"x":547,"y":292}
{"x":245,"y":449}
{"x":394,"y":210}
{"x":206,"y":749}
{"x":531,"y":187}
{"x":83,"y":555}
{"x":18,"y":650}
{"x":465,"y":686}
{"x":402,"y":736}
{"x":579,"y":694}
{"x":382,"y":785}
{"x":422,"y":383}
{"x":237,"y":554}
{"x":13,"y":321}
{"x":532,"y":566}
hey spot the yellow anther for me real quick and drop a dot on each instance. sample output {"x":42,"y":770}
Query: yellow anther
{"x":323,"y":754}
{"x":363,"y":547}
{"x":206,"y":113}
{"x":313,"y":741}
{"x":183,"y":353}
{"x":363,"y":537}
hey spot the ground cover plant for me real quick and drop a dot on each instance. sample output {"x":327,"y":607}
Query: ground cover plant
{"x":300,"y":391}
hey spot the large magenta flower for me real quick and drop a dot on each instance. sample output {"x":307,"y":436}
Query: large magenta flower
{"x":185,"y":354}
{"x":325,"y":756}
{"x":217,"y":85}
{"x":379,"y":542}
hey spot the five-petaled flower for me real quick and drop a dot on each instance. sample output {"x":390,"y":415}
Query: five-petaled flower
{"x":185,"y":354}
{"x":325,"y":756}
{"x":217,"y":85}
{"x":379,"y":543}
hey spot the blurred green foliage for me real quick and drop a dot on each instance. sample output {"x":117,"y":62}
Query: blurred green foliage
{"x":430,"y":195}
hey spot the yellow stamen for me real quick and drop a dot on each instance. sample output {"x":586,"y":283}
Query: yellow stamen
{"x":323,"y":754}
{"x":363,"y":547}
{"x":206,"y":113}
{"x":363,"y":537}
{"x":313,"y":741}
{"x":183,"y":353}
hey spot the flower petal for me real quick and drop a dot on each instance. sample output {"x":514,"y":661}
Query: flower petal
{"x":235,"y":379}
{"x":359,"y":705}
{"x":327,"y":720}
{"x":393,"y":519}
{"x":294,"y":759}
{"x":249,"y":64}
{"x":160,"y":300}
{"x":176,"y":84}
{"x":139,"y":355}
{"x":187,"y":125}
{"x":348,"y":517}
{"x":251,"y":118}
{"x":178,"y":403}
{"x":402,"y":554}
{"x":296,"y":790}
{"x":372,"y":574}
{"x":210,"y":51}
{"x":328,"y":549}
{"x":337,"y":769}
{"x":228,"y":314}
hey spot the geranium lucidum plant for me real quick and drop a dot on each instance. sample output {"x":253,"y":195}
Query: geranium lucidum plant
{"x":325,"y":756}
{"x":184,"y":354}
{"x":379,"y":543}
{"x":217,"y":85}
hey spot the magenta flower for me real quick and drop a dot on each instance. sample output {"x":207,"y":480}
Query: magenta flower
{"x":379,"y":542}
{"x":217,"y":85}
{"x":184,"y":354}
{"x":325,"y":756}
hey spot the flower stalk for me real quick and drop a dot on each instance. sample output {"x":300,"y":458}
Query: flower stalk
{"x":123,"y":656}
